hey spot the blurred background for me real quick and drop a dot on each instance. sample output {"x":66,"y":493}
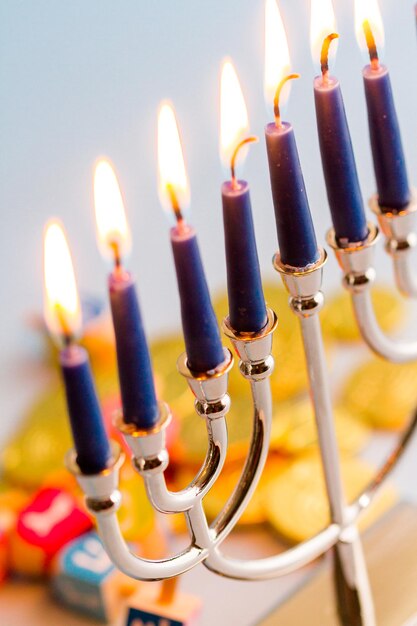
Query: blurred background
{"x":83,"y":79}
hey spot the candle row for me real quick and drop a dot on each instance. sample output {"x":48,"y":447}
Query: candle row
{"x":296,"y":236}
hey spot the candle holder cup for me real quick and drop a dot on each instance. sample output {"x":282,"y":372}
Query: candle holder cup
{"x":150,"y":457}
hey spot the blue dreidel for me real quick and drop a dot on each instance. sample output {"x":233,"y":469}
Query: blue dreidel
{"x":85,"y":580}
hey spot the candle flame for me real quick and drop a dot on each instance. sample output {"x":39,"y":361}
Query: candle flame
{"x":277,"y":55}
{"x":322,"y":24}
{"x":112,"y":227}
{"x":62,"y":308}
{"x":174,"y":190}
{"x":369,"y":11}
{"x":234,"y":123}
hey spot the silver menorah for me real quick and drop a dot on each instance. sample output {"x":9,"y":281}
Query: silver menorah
{"x":150,"y":456}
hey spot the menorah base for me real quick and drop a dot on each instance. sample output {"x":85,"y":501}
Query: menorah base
{"x":390,"y":549}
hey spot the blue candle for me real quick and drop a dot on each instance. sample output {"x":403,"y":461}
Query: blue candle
{"x":137,"y":387}
{"x":201,"y":333}
{"x":247,"y":311}
{"x":387,"y":150}
{"x":295,"y":230}
{"x":339,"y":167}
{"x":90,"y":438}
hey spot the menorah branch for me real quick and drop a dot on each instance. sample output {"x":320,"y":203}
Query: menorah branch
{"x":150,"y":456}
{"x":400,"y":231}
{"x":353,"y":591}
{"x":357,"y":264}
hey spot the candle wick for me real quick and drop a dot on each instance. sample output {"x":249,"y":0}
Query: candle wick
{"x":277,"y":112}
{"x":244,"y":142}
{"x":67,"y":335}
{"x":371,"y":43}
{"x":114,"y":245}
{"x":181,"y":224}
{"x":324,"y":58}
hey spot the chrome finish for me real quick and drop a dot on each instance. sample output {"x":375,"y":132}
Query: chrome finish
{"x":400,"y":231}
{"x":366,"y":497}
{"x":252,"y":348}
{"x":397,"y":226}
{"x":356,"y":261}
{"x":146,"y":444}
{"x":257,"y":371}
{"x":209,"y":386}
{"x":391,"y":349}
{"x":350,"y":572}
{"x":357,"y":265}
{"x":212,"y":403}
{"x":301,"y":282}
{"x":97,"y":487}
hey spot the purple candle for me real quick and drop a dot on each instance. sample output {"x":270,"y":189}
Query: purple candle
{"x":296,"y":236}
{"x":387,"y":150}
{"x":339,"y":167}
{"x":247,"y":310}
{"x":63,"y":318}
{"x":201,"y":333}
{"x":89,"y":434}
{"x":137,"y":388}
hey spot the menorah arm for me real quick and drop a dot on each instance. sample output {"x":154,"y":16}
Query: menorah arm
{"x":393,"y":350}
{"x":405,"y":273}
{"x":400,"y":232}
{"x":354,"y":598}
{"x":137,"y":567}
{"x":308,"y":551}
{"x":357,"y":264}
{"x":367,"y":496}
{"x":167,"y":501}
{"x":256,"y":365}
{"x":277,"y":565}
{"x":103,"y":500}
{"x":255,"y":461}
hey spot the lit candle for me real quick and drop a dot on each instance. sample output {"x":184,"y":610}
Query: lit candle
{"x":201,"y":333}
{"x":387,"y":150}
{"x":296,"y":236}
{"x":63,"y":318}
{"x":137,"y":388}
{"x":339,"y":167}
{"x":247,"y":311}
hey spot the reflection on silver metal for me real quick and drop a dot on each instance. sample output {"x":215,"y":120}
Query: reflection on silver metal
{"x":357,"y":264}
{"x":302,"y":283}
{"x":209,"y":386}
{"x":400,"y":231}
{"x":212,"y":403}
